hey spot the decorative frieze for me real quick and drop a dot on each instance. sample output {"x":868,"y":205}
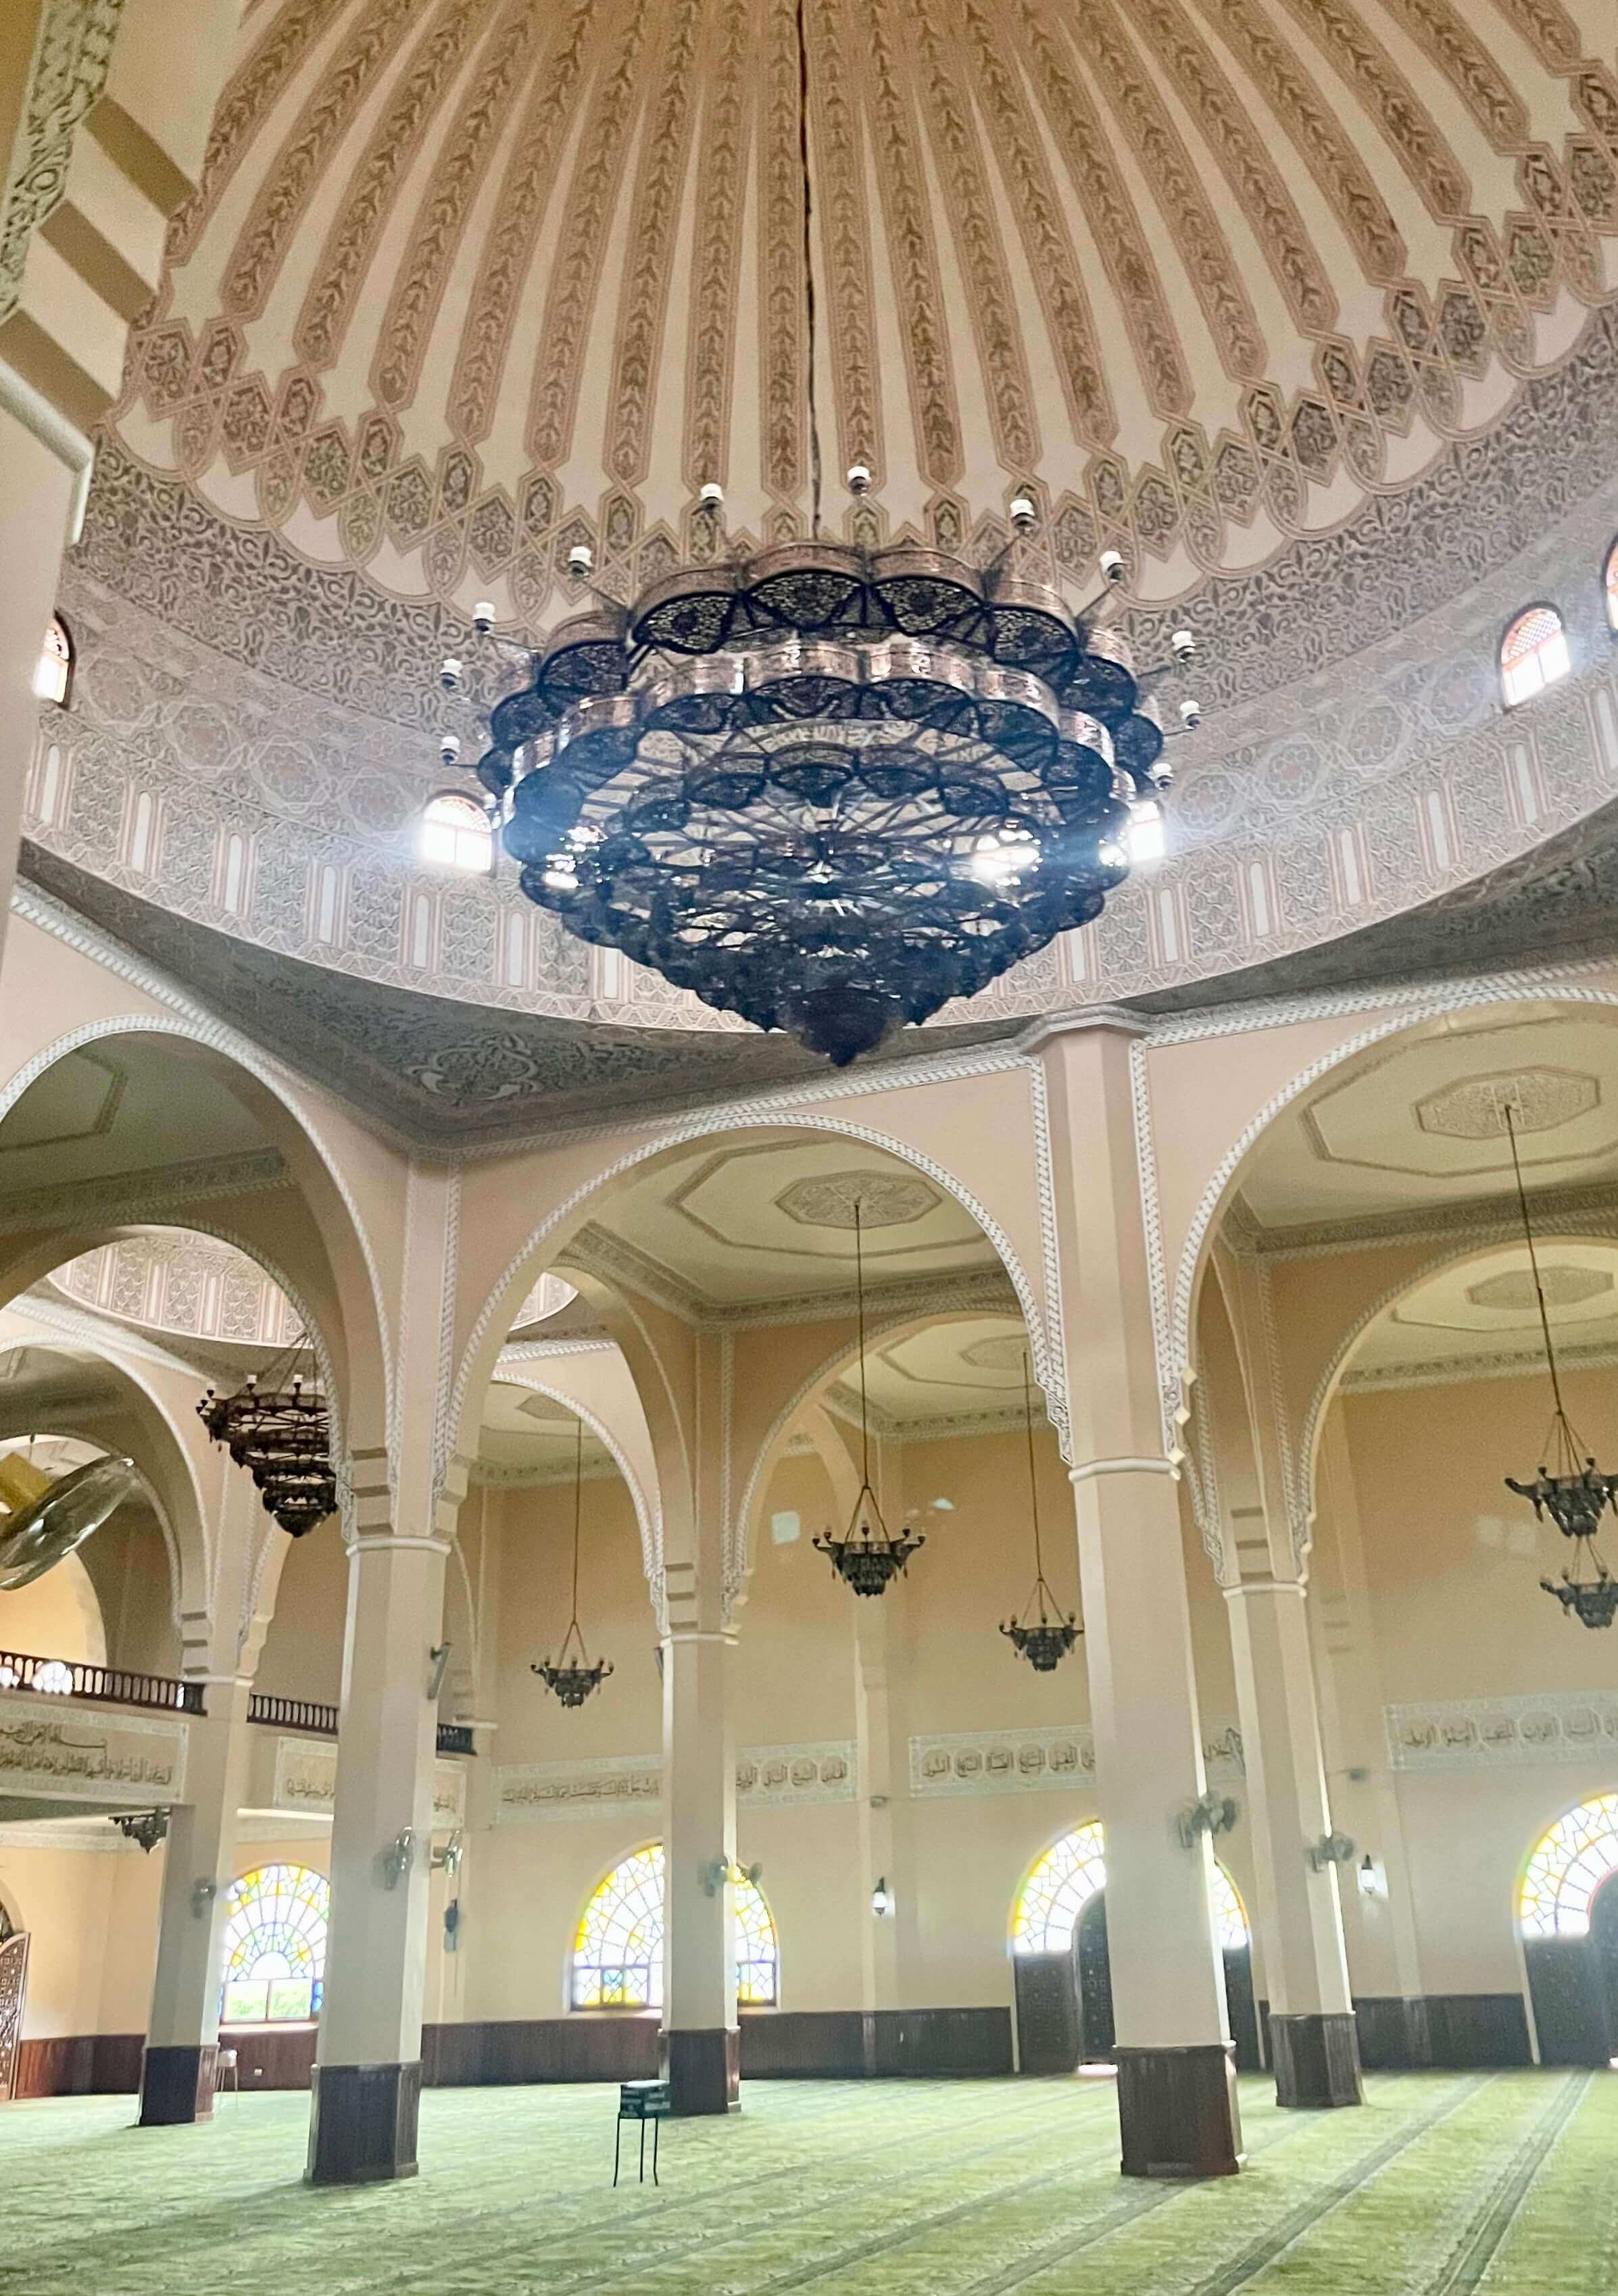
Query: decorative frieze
{"x":1053,"y":1760}
{"x":1492,"y":1733}
{"x":631,"y":1785}
{"x":306,"y":1781}
{"x":58,"y":1750}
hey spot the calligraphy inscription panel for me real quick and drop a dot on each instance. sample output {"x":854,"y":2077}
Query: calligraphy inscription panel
{"x":66,"y":1749}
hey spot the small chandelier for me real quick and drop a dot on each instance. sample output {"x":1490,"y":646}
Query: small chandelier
{"x":828,"y":787}
{"x":570,"y":1674}
{"x":866,"y":1557}
{"x":1043,"y":1642}
{"x":281,"y":1431}
{"x":1571,"y":1489}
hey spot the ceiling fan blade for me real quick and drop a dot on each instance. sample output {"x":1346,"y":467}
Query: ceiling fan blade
{"x":38,"y":1535}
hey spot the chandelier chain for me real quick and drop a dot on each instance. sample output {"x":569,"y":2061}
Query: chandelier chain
{"x":809,"y":268}
{"x":1539,"y":1286}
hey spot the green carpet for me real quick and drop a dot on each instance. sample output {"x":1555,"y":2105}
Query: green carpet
{"x":1443,"y":2185}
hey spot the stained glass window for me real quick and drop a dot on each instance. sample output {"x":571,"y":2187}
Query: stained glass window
{"x":274,"y":1946}
{"x":1071,"y":1872}
{"x":53,"y":671}
{"x":1567,"y":1868}
{"x":618,"y":1954}
{"x":455,"y":833}
{"x":1534,"y":654}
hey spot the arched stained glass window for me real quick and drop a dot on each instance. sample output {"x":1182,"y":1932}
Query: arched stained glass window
{"x":1070,"y":1874}
{"x":274,"y":1946}
{"x":53,"y":671}
{"x":1610,"y":583}
{"x":618,"y":1954}
{"x":1534,"y":654}
{"x":455,"y":834}
{"x":1568,"y":1866}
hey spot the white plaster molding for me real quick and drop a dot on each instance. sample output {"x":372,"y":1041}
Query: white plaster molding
{"x":1093,"y":1467}
{"x":131,"y":1199}
{"x":648,"y":1516}
{"x":1490,"y":1734}
{"x":183,"y":1017}
{"x":1455,"y":1370}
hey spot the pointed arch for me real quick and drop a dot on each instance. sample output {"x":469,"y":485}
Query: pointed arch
{"x":1065,"y":1878}
{"x":617,"y":1961}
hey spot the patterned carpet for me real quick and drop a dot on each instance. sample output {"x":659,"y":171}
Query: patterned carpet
{"x":1445,"y":2184}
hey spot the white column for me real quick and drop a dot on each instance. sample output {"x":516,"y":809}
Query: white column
{"x":700,"y":2037}
{"x":183,"y":2030}
{"x":1311,"y":2015}
{"x":1176,"y":2081}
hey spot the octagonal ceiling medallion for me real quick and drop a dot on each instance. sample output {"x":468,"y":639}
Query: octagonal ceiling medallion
{"x":1541,"y":1099}
{"x":1564,"y":1287}
{"x":885,"y":1199}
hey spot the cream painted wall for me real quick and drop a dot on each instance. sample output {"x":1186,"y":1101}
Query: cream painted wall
{"x":63,"y":1898}
{"x":303,"y":1655}
{"x":57,"y":1615}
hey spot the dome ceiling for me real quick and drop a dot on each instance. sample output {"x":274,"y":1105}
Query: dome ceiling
{"x":468,"y":283}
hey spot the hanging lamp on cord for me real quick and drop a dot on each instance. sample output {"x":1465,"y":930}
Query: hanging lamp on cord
{"x":1570,"y":1488}
{"x":570,"y":1674}
{"x":866,"y":1557}
{"x":1043,"y":1642}
{"x":830,"y":784}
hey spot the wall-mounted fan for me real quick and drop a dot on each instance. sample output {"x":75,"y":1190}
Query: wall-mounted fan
{"x":36,"y":1536}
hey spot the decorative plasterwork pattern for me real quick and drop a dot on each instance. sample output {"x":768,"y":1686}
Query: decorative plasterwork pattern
{"x":392,"y":423}
{"x":1050,"y":1760}
{"x":1484,"y":1733}
{"x":64,"y":1750}
{"x":1447,"y":1370}
{"x":631,"y":1785}
{"x":187,"y":1284}
{"x":72,"y":55}
{"x":127,"y":1197}
{"x":1382,"y":781}
{"x":1484,"y":1220}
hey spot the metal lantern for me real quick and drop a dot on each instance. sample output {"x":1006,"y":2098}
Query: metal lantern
{"x":279,"y":1429}
{"x":1569,"y":1489}
{"x":1044,"y":1640}
{"x":868,"y":1557}
{"x":570,"y":1675}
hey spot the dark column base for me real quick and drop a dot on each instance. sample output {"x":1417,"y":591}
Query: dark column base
{"x":1176,"y":2112}
{"x":704,"y":2070}
{"x":176,"y":2084}
{"x":362,"y":2123}
{"x":1317,"y":2060}
{"x":1418,"y":2040}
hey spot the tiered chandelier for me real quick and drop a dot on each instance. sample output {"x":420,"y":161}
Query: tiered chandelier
{"x":1570,"y":1488}
{"x":279,"y":1428}
{"x":571,"y":1676}
{"x":868,"y":1557}
{"x":1045,"y":1640}
{"x":829,"y":788}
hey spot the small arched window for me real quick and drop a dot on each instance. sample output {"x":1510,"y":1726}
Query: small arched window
{"x":1610,"y":580}
{"x":53,"y":671}
{"x":275,"y":1946}
{"x":455,"y":834}
{"x":1534,"y":654}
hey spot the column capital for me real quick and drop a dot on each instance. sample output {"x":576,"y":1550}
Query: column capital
{"x":1084,"y":1020}
{"x":368,"y":1541}
{"x":1122,"y":1466}
{"x":1263,"y":1587}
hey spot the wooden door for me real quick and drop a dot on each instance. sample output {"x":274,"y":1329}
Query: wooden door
{"x":1047,"y":2013}
{"x":1095,"y":2029}
{"x":13,"y":1992}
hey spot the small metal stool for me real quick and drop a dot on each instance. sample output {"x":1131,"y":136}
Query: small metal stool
{"x":225,"y":2065}
{"x":643,"y":2100}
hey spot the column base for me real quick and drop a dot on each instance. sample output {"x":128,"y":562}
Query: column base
{"x":362,"y":2123}
{"x":176,"y":2084}
{"x":704,"y":2070}
{"x":1317,"y":2060}
{"x":1177,"y":2111}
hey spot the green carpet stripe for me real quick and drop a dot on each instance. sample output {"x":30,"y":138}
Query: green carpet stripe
{"x":1469,"y":2265}
{"x":1315,"y":2206}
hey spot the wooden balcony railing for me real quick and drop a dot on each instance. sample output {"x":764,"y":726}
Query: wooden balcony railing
{"x":104,"y":1685}
{"x":321,"y":1721}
